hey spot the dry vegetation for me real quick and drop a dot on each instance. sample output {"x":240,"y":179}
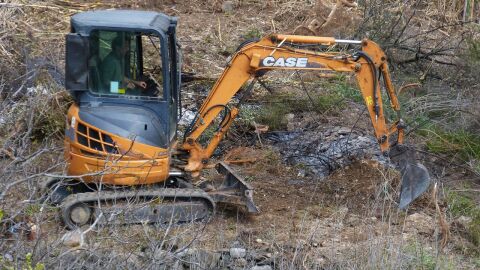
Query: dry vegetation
{"x":347,"y":221}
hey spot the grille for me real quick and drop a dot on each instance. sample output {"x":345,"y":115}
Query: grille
{"x":95,"y":140}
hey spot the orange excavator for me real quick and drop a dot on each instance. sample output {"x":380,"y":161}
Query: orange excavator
{"x":127,"y":162}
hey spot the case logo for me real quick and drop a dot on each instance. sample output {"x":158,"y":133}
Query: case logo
{"x":270,"y":61}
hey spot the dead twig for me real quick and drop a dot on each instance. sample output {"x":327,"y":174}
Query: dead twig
{"x":444,"y":227}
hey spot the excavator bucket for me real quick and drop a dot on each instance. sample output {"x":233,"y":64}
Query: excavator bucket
{"x":415,"y":177}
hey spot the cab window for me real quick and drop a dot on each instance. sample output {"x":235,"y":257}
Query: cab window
{"x":125,"y":63}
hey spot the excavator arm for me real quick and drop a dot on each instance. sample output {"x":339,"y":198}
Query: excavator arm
{"x":277,"y":52}
{"x":369,"y":64}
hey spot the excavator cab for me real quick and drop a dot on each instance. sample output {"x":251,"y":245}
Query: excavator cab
{"x":124,"y":66}
{"x":123,"y":71}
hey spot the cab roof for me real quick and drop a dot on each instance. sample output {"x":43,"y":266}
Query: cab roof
{"x":85,"y":22}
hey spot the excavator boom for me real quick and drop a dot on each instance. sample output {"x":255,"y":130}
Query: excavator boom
{"x":284,"y":52}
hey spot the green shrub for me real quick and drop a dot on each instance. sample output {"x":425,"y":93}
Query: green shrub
{"x":474,"y":50}
{"x":424,"y":259}
{"x":474,"y":228}
{"x":462,"y":205}
{"x":252,"y":33}
{"x":461,"y":142}
{"x":273,"y":115}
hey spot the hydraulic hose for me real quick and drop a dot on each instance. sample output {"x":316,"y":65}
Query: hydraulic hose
{"x":371,"y":64}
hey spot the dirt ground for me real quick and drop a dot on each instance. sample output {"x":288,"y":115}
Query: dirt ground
{"x":353,"y":212}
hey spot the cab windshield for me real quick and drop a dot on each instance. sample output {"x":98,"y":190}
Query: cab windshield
{"x":125,"y":63}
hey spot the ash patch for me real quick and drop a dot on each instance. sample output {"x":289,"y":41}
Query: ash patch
{"x":322,"y":152}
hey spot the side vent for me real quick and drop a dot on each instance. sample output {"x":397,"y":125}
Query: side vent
{"x":95,"y":140}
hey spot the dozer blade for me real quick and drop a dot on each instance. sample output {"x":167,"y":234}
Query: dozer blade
{"x":234,"y":190}
{"x":415,"y":177}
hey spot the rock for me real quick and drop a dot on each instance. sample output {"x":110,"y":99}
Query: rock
{"x":319,"y":262}
{"x":463,"y":221}
{"x":127,"y":260}
{"x":240,"y":262}
{"x":260,"y":255}
{"x":324,"y":147}
{"x":204,"y":259}
{"x":164,"y":256}
{"x":133,"y":261}
{"x":296,"y":182}
{"x":182,"y":253}
{"x":420,"y":222}
{"x":289,"y":116}
{"x":187,"y":118}
{"x":261,"y":267}
{"x":32,"y":232}
{"x":74,"y":239}
{"x":236,"y":253}
{"x":258,"y":240}
{"x":227,"y":6}
{"x":344,"y":131}
{"x":363,"y":139}
{"x":177,"y":266}
{"x":8,"y":257}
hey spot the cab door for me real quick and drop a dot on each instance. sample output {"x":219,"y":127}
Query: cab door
{"x":174,"y":100}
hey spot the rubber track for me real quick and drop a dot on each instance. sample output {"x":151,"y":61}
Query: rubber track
{"x":108,"y":195}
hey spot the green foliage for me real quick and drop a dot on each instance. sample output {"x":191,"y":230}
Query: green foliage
{"x":273,"y":115}
{"x":246,"y":116}
{"x":343,"y":87}
{"x":476,"y":262}
{"x":461,"y":142}
{"x":474,"y":228}
{"x":442,"y":138}
{"x":50,"y":116}
{"x":29,"y":266}
{"x":471,"y":58}
{"x":462,"y":205}
{"x":208,"y":134}
{"x":252,"y":33}
{"x":6,"y":265}
{"x":425,"y":259}
{"x":331,"y":101}
{"x":473,"y":50}
{"x":31,"y":209}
